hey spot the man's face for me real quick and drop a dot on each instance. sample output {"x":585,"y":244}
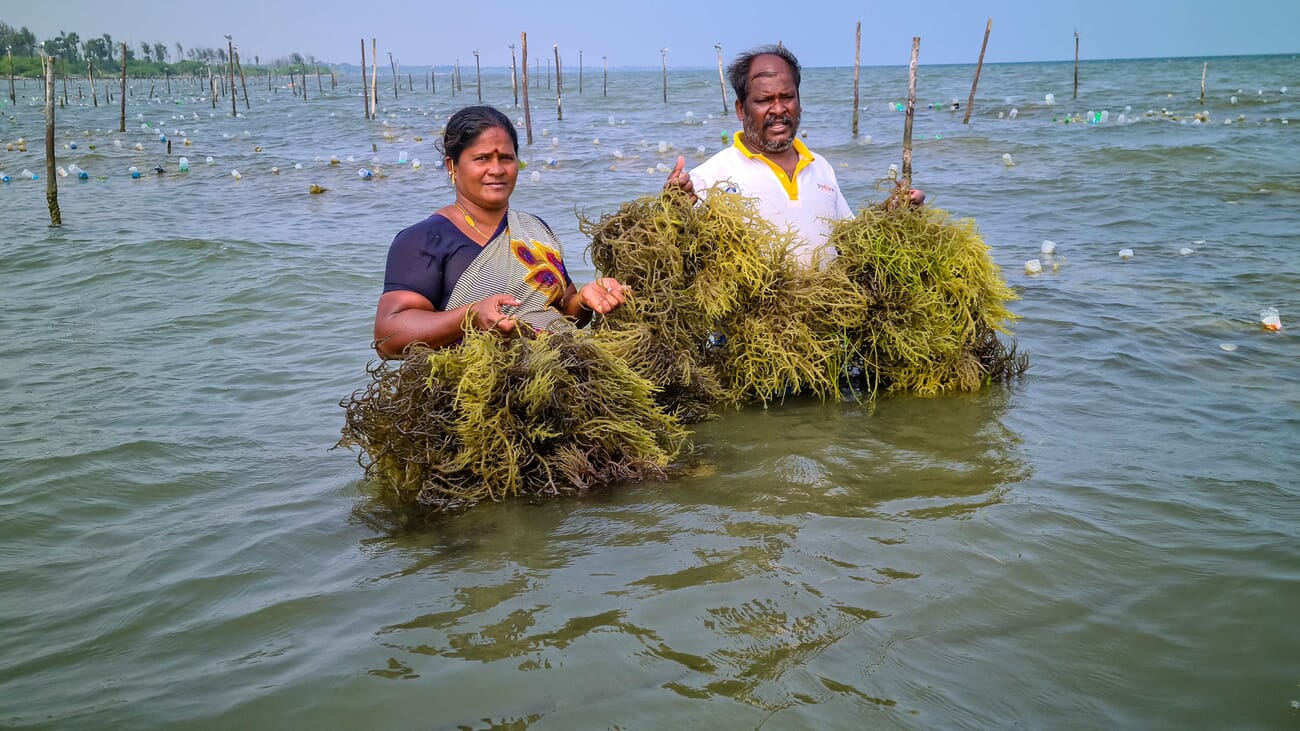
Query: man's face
{"x":769,"y":115}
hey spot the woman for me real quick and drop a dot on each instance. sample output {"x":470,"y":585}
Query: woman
{"x":478,"y":257}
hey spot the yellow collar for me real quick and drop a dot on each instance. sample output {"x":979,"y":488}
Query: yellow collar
{"x":788,"y":182}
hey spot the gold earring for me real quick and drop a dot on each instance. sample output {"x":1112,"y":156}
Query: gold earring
{"x":451,"y":172}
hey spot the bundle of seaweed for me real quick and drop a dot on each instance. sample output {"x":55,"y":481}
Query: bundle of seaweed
{"x":911,"y":302}
{"x":934,"y":301}
{"x":496,"y":417}
{"x":723,"y":312}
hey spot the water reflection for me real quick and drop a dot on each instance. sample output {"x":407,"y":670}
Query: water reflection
{"x":767,"y":579}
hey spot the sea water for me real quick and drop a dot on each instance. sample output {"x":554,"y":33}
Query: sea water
{"x":1109,"y":542}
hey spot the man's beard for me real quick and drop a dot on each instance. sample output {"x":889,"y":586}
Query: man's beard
{"x":775,"y":146}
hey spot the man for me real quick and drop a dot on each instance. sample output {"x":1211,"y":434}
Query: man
{"x":795,"y":187}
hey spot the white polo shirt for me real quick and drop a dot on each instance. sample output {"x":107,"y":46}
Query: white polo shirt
{"x":808,"y":204}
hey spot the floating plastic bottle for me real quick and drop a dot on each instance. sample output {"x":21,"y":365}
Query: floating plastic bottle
{"x":1186,"y":250}
{"x":1103,"y":116}
{"x":1006,"y":160}
{"x":1232,"y":100}
{"x":1033,"y":266}
{"x":1013,"y":113}
{"x":275,"y":170}
{"x":1050,"y":99}
{"x":1048,"y":248}
{"x":4,"y":178}
{"x":536,"y":177}
{"x":1126,"y":253}
{"x":63,"y":173}
{"x":663,"y":146}
{"x":415,"y":164}
{"x":1270,"y":319}
{"x":30,"y":175}
{"x":297,"y":166}
{"x":183,"y":164}
{"x":401,"y":157}
{"x":134,"y":171}
{"x":210,"y":161}
{"x":365,"y":173}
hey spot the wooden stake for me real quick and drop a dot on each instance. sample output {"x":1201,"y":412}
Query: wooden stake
{"x":90,"y":77}
{"x":13,"y":98}
{"x":514,"y":75}
{"x":970,"y":101}
{"x":51,"y":179}
{"x":410,"y":85}
{"x":579,"y":72}
{"x":911,"y":112}
{"x":234,"y":108}
{"x":722,"y":81}
{"x":320,"y":87}
{"x":1204,"y":68}
{"x":121,"y":126}
{"x":302,"y":75}
{"x":365,"y":90}
{"x":559,"y":105}
{"x":393,"y":64}
{"x":604,"y":72}
{"x":664,"y":52}
{"x":243,"y":83}
{"x":528,"y":115}
{"x":374,"y":78}
{"x":857,"y":63}
{"x":1076,"y":64}
{"x":212,"y":88}
{"x":478,"y":77}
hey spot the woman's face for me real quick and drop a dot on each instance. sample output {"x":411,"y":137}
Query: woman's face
{"x":487,"y":170}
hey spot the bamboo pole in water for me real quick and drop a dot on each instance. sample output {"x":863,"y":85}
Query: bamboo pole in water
{"x":320,"y":87}
{"x":970,"y":101}
{"x":911,"y":112}
{"x":604,"y":74}
{"x":121,"y":127}
{"x":51,"y":180}
{"x":559,"y":105}
{"x":212,"y":88}
{"x":64,"y":101}
{"x":857,"y":63}
{"x":514,"y":75}
{"x":1076,"y":64}
{"x":579,"y":72}
{"x":243,"y":82}
{"x":90,"y":77}
{"x":303,"y":77}
{"x":528,"y":115}
{"x":722,"y":82}
{"x":234,"y":101}
{"x":664,"y":52}
{"x":365,"y":90}
{"x":393,"y":64}
{"x":548,"y":73}
{"x":1204,"y":68}
{"x":478,"y":77}
{"x":374,"y":78}
{"x":13,"y":98}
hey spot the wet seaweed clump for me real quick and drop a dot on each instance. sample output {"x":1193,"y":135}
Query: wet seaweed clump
{"x":493,"y":418}
{"x":723,"y":312}
{"x":902,"y":298}
{"x":935,"y":301}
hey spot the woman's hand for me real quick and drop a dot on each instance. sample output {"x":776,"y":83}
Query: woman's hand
{"x":488,"y":314}
{"x":602,"y":295}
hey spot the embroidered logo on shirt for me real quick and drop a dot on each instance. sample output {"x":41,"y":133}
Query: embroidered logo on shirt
{"x":826,"y":188}
{"x":546,"y":271}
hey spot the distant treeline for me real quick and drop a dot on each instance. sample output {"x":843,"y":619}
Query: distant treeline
{"x":76,"y":56}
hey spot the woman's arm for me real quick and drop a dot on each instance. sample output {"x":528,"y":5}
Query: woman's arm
{"x":404,"y":317}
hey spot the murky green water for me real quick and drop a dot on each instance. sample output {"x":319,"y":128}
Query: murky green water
{"x":1110,"y":543}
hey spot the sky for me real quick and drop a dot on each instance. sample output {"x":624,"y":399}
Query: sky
{"x":632,"y":32}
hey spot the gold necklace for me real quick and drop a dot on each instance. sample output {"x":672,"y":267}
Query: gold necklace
{"x":470,"y":220}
